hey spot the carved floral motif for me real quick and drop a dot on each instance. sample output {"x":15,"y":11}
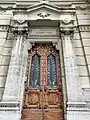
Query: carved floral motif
{"x":43,"y":14}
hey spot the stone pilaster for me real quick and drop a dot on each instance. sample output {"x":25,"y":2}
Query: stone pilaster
{"x":73,"y":81}
{"x":16,"y":72}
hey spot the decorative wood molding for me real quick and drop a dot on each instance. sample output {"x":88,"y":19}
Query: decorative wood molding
{"x":33,"y":96}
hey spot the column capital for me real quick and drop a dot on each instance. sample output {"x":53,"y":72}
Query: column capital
{"x":68,"y":31}
{"x":20,"y":31}
{"x":19,"y":27}
{"x":67,"y":24}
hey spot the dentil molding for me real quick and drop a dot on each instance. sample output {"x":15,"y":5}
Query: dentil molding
{"x":4,"y":28}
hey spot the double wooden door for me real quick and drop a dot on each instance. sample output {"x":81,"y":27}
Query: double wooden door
{"x":43,"y":89}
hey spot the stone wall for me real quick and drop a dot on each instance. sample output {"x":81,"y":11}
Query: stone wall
{"x":81,"y":45}
{"x":83,"y":20}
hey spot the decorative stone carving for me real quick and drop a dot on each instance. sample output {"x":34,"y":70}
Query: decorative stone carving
{"x":66,"y":25}
{"x":20,"y":30}
{"x":20,"y":21}
{"x":67,"y":19}
{"x":43,"y":14}
{"x":4,"y":28}
{"x":44,"y":1}
{"x":66,"y":31}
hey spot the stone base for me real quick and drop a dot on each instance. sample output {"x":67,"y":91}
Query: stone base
{"x":9,"y":111}
{"x":73,"y":115}
{"x":78,"y":111}
{"x":9,"y":115}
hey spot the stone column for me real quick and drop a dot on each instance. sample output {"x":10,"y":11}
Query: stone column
{"x":73,"y":82}
{"x":16,"y":73}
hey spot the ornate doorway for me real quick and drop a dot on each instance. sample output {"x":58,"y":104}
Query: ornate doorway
{"x":43,"y":89}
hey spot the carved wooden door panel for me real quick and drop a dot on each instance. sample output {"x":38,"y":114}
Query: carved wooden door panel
{"x":43,"y":91}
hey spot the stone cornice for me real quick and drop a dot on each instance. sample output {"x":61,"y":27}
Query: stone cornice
{"x":22,"y":5}
{"x":28,"y":7}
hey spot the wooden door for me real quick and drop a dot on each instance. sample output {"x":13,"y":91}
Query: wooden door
{"x":43,"y":88}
